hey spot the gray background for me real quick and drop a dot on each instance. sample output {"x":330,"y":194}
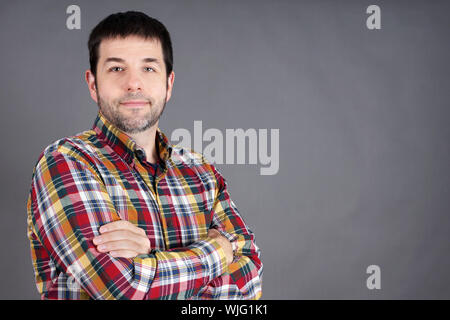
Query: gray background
{"x":363,"y":118}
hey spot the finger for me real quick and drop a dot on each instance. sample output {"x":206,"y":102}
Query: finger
{"x":213,"y":233}
{"x":121,"y":245}
{"x":129,"y":254}
{"x":114,"y":236}
{"x":110,"y":240}
{"x":116,"y":225}
{"x":141,"y":231}
{"x":122,"y":231}
{"x":123,"y":235}
{"x":122,"y":225}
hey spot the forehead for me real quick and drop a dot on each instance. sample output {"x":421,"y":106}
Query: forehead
{"x":131,"y":46}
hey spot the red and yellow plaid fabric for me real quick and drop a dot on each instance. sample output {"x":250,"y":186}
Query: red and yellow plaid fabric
{"x":99,"y":176}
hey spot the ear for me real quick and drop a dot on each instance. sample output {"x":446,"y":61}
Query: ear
{"x":170,"y":80}
{"x":90,"y":80}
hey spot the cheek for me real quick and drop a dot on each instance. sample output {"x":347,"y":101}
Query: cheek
{"x":109,"y":93}
{"x":157,"y":83}
{"x":155,"y":91}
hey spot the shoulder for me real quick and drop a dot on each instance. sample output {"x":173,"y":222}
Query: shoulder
{"x":184,"y":157}
{"x":78,"y":148}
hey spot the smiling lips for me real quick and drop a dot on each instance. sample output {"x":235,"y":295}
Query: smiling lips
{"x":135,"y":103}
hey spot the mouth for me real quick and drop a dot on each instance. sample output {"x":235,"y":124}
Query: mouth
{"x":134,"y":103}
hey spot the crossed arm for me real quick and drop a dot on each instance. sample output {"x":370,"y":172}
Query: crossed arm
{"x":122,"y":239}
{"x":67,"y":204}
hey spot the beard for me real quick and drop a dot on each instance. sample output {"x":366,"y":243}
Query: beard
{"x":134,"y":120}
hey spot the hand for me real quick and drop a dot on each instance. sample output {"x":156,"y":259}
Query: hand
{"x":223,"y":242}
{"x":122,"y":239}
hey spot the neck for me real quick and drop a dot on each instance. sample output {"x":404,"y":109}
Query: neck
{"x":146,"y":140}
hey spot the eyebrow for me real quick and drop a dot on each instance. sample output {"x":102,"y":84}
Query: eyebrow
{"x":115,"y":59}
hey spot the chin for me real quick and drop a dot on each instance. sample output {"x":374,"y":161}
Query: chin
{"x":136,"y":124}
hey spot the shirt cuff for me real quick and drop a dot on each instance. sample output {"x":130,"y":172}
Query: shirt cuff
{"x":144,"y":269}
{"x":212,"y":256}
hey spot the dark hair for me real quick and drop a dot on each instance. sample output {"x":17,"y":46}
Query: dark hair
{"x":123,"y":24}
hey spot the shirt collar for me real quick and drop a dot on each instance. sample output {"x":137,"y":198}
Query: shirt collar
{"x":123,"y":144}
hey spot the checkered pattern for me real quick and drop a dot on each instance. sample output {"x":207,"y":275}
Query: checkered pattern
{"x":99,"y":176}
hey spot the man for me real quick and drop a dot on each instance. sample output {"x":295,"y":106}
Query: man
{"x":117,"y":212}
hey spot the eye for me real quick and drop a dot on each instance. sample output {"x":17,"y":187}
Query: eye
{"x":150,"y":69}
{"x":115,"y":69}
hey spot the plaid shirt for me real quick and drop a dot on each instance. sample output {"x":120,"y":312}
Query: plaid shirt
{"x":99,"y":176}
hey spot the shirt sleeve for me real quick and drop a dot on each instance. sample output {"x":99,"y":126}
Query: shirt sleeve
{"x":243,"y":277}
{"x":68,"y":203}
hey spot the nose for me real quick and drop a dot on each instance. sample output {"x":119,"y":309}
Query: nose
{"x":133,"y":82}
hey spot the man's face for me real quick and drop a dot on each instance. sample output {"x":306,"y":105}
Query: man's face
{"x":132,"y":87}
